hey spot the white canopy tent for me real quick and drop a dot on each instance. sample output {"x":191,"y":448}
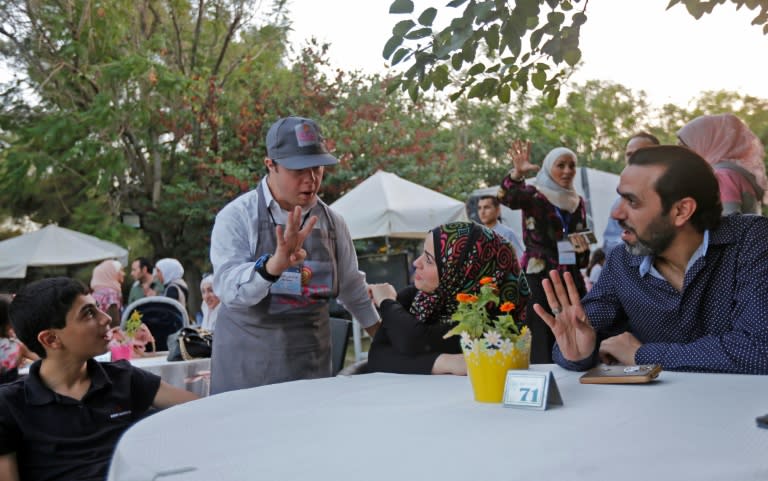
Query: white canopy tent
{"x":54,"y":246}
{"x":597,"y":187}
{"x":385,"y":205}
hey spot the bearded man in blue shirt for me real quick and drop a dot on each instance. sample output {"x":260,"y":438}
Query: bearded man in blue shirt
{"x":689,"y":289}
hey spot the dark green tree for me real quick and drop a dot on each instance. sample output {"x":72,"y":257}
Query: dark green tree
{"x":490,"y":48}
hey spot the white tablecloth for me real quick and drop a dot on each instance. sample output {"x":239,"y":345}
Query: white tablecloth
{"x":395,"y":427}
{"x":183,"y":374}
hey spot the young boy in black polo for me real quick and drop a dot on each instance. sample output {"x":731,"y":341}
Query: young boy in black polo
{"x":64,"y":419}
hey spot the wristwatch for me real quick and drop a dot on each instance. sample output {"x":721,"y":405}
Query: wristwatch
{"x":261,"y":268}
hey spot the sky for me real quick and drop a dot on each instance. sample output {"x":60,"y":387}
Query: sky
{"x":637,"y":43}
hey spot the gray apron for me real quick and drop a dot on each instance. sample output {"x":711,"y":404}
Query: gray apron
{"x":286,"y":336}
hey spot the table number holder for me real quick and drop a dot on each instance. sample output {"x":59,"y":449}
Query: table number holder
{"x":531,"y":390}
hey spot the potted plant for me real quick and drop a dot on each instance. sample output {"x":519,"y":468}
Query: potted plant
{"x":492,"y":345}
{"x":133,"y":339}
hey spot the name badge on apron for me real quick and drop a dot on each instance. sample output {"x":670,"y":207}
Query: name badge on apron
{"x":289,"y":283}
{"x":566,"y":254}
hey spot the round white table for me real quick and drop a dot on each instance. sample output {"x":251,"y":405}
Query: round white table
{"x":396,"y":427}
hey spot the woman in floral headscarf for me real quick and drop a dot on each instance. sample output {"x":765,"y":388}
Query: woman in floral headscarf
{"x":456,"y":256}
{"x":107,"y":285}
{"x":736,"y":154}
{"x":552,"y":210}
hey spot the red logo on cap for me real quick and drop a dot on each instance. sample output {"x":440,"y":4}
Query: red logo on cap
{"x":306,"y":135}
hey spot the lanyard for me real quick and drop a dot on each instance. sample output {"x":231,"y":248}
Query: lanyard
{"x":303,"y":221}
{"x":565,"y":219}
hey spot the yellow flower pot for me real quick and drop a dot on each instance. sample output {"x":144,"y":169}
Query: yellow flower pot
{"x":488,"y":361}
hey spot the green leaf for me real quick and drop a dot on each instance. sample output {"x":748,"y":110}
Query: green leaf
{"x":504,"y":93}
{"x":539,"y":79}
{"x":401,"y":6}
{"x":536,"y":37}
{"x":579,"y":19}
{"x":393,"y":85}
{"x":456,"y":61}
{"x":552,"y":97}
{"x":440,"y":77}
{"x":413,"y":91}
{"x":492,"y":38}
{"x":419,"y":33}
{"x":476,"y":69}
{"x":391,"y":46}
{"x":400,"y":55}
{"x":425,"y":83}
{"x":572,"y":56}
{"x":428,"y":16}
{"x":456,"y":3}
{"x":456,"y":95}
{"x":402,"y":27}
{"x":555,"y":18}
{"x":483,"y":11}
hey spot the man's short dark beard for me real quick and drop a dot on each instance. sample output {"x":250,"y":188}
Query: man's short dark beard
{"x":661,"y":234}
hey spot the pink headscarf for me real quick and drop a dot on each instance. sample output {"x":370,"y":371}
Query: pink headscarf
{"x":106,"y":275}
{"x":725,"y":138}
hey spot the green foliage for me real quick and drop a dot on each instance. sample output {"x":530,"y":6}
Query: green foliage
{"x":472,"y":314}
{"x":493,"y":47}
{"x":697,"y":8}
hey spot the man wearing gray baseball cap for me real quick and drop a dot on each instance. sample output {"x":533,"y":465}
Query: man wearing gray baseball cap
{"x":279,"y":255}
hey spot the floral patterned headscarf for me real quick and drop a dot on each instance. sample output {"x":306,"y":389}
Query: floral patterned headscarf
{"x":466,"y":252}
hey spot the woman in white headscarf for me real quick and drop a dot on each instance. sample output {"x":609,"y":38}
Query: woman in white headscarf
{"x":169,"y":271}
{"x":736,"y":154}
{"x":211,"y":303}
{"x":551,"y":211}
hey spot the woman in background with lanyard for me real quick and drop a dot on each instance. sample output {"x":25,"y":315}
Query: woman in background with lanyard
{"x":551,"y":211}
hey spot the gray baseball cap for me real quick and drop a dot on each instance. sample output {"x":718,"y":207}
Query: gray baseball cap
{"x":296,"y":143}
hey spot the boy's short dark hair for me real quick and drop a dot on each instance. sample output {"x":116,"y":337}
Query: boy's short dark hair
{"x":43,"y":305}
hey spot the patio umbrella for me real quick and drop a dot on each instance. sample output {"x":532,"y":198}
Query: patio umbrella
{"x":54,"y":246}
{"x":385,"y":205}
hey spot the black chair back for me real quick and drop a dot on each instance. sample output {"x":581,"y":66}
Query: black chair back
{"x":162,"y":315}
{"x":341,"y":329}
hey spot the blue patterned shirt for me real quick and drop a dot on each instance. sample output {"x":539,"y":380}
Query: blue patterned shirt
{"x":717,"y":323}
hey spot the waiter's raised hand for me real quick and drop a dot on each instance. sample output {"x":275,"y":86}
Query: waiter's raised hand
{"x":290,"y":240}
{"x":573,"y":332}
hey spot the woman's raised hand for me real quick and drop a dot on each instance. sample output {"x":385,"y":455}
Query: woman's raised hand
{"x":520,"y":154}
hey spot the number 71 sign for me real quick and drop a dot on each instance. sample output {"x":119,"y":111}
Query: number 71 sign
{"x":531,"y":390}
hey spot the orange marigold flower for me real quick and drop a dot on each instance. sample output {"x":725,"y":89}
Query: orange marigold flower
{"x":467,"y":298}
{"x":507,"y":307}
{"x":486,"y":280}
